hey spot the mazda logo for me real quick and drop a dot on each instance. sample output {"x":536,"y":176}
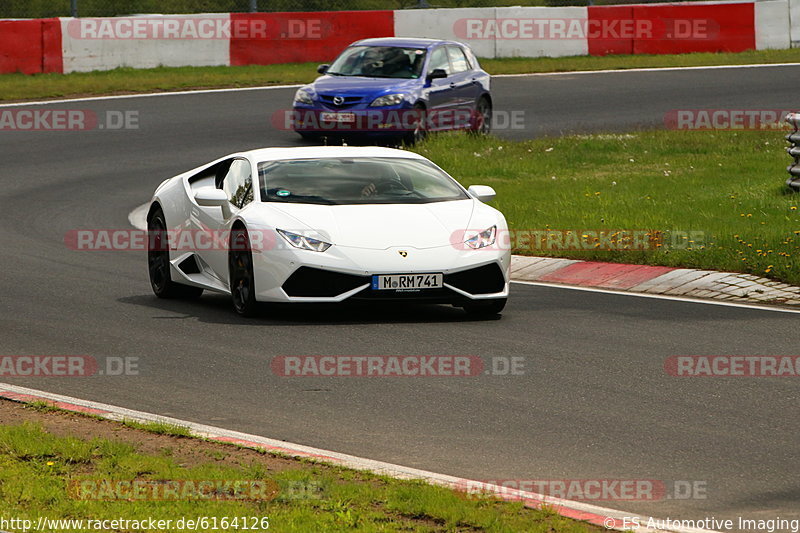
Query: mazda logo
{"x":338,"y":100}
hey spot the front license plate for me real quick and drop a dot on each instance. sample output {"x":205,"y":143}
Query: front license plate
{"x":406,"y":282}
{"x":338,"y":117}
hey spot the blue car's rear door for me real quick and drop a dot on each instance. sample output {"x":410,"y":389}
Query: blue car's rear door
{"x":442,"y":102}
{"x":465,"y":88}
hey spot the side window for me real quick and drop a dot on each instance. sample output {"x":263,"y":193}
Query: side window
{"x":473,"y":61}
{"x":439,"y":60}
{"x":238,"y":183}
{"x":457,"y":59}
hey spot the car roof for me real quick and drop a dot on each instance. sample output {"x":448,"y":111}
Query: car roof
{"x":317,"y":152}
{"x":415,"y":42}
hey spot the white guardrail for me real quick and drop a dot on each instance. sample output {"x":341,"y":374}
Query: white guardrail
{"x":794,"y":151}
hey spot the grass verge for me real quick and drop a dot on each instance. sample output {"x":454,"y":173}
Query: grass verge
{"x":726,"y":186}
{"x":18,"y":87}
{"x":45,"y":452}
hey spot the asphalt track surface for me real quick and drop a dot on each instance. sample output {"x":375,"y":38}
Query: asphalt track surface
{"x":594,"y":401}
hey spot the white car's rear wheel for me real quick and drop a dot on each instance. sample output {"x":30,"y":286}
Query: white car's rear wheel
{"x":158,"y":261}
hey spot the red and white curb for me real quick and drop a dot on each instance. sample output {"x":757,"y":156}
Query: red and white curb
{"x":682,"y":282}
{"x":600,"y":516}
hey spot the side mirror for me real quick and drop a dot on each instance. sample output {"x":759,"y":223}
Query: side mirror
{"x":484,"y":193}
{"x":322,"y":69}
{"x":436,"y":74}
{"x":213,"y":197}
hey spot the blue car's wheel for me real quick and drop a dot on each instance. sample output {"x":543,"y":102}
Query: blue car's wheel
{"x":482,"y":123}
{"x":420,"y":130}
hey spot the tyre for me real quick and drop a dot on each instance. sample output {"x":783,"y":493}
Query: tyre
{"x":485,"y":308}
{"x":240,"y":266}
{"x":482,"y":123}
{"x":420,"y":130}
{"x":158,"y":261}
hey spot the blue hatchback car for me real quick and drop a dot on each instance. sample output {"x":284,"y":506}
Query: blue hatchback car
{"x":395,"y":88}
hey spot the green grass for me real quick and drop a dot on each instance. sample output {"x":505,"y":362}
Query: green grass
{"x":38,"y":471}
{"x":159,"y":428}
{"x":16,"y":87}
{"x":727,"y":185}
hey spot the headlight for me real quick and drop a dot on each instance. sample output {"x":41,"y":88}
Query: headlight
{"x":389,"y":99}
{"x":303,"y":242}
{"x":302,"y":96}
{"x":482,"y":239}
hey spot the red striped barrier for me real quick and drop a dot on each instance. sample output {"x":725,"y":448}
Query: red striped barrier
{"x":30,"y":46}
{"x":301,"y":37}
{"x":675,"y":29}
{"x":42,"y":45}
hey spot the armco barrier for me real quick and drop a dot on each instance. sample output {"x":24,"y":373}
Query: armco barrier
{"x":299,"y":37}
{"x":794,"y":151}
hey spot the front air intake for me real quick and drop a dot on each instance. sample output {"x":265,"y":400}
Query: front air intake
{"x":315,"y":282}
{"x":487,"y":279}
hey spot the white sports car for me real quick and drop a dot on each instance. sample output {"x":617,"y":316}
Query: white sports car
{"x":327,"y":224}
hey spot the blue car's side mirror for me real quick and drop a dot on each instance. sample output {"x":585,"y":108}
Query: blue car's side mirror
{"x":436,"y":74}
{"x":322,"y":69}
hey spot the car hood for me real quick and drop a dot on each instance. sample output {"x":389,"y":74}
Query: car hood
{"x":382,"y":226}
{"x":357,"y":85}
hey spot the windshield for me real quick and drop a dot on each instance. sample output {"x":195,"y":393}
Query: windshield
{"x":374,"y":180}
{"x":379,"y":62}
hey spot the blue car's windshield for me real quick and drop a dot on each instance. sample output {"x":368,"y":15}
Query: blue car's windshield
{"x":379,"y":62}
{"x":357,"y":180}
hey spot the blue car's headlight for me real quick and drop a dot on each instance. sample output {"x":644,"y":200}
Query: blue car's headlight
{"x":303,"y":96}
{"x":303,"y":242}
{"x":482,"y":239}
{"x":389,"y":99}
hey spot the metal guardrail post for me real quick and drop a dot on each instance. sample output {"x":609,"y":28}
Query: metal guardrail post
{"x":73,"y":8}
{"x":794,"y":151}
{"x":253,"y":6}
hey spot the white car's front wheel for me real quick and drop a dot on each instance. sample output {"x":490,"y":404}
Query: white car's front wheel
{"x":485,"y":308}
{"x":240,"y":263}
